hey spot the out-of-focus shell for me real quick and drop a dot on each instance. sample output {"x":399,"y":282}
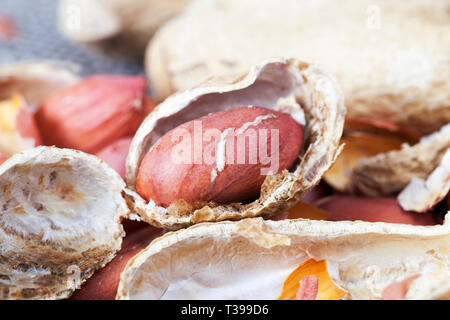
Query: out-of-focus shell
{"x":35,"y":80}
{"x":389,"y":173}
{"x":134,"y":20}
{"x":380,"y":51}
{"x":250,"y":259}
{"x":60,"y":220}
{"x":302,"y":90}
{"x":421,"y":195}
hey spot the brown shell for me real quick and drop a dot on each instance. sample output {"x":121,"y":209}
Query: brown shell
{"x":60,"y":220}
{"x":389,"y":173}
{"x":381,"y":51}
{"x":251,"y":258}
{"x":315,"y":93}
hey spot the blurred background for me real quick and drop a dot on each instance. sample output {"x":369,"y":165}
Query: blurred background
{"x":28,"y":31}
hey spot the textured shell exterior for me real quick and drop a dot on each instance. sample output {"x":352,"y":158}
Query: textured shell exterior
{"x":251,"y":258}
{"x":97,"y":20}
{"x":35,"y":80}
{"x":380,"y":51}
{"x":312,"y":93}
{"x":60,"y":213}
{"x":389,"y":173}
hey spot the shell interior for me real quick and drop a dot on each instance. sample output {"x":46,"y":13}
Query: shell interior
{"x":250,"y":259}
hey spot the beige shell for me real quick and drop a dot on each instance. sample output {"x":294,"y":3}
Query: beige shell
{"x":133,"y":20}
{"x":391,"y":59}
{"x":389,"y":173}
{"x":288,"y":85}
{"x":60,"y":214}
{"x":250,"y":259}
{"x":35,"y":80}
{"x":420,"y":195}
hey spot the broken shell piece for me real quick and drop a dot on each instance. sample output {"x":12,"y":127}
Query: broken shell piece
{"x":35,"y":80}
{"x":364,"y":139}
{"x":314,"y":99}
{"x":422,"y":195}
{"x":60,"y":221}
{"x":389,"y":173}
{"x":251,"y":258}
{"x":398,"y":290}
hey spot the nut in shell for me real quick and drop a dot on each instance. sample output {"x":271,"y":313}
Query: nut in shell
{"x":305,"y":92}
{"x":60,"y":220}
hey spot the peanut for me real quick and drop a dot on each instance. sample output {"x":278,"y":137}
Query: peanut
{"x":221,"y":157}
{"x":115,"y":154}
{"x":372,"y":210}
{"x":93,"y":113}
{"x":398,"y":290}
{"x":104,"y":283}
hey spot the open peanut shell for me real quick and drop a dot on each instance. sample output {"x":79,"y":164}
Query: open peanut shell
{"x":60,"y":220}
{"x":389,"y":173}
{"x":251,"y":258}
{"x":310,"y":95}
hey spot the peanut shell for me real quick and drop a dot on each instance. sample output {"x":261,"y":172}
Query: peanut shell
{"x":251,"y":258}
{"x":381,"y":51}
{"x":309,"y":94}
{"x":35,"y":80}
{"x":60,"y":221}
{"x":389,"y":173}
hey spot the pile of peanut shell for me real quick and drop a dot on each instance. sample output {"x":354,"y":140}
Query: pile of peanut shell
{"x":343,"y":193}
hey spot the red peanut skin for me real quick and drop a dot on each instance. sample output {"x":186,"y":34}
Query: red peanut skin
{"x":93,"y":113}
{"x":372,"y":210}
{"x":398,"y":290}
{"x":115,"y":155}
{"x":165,"y":181}
{"x":104,"y":283}
{"x":27,"y":127}
{"x":309,"y":288}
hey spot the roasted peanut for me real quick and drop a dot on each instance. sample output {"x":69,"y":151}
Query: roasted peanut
{"x":103,"y":284}
{"x":93,"y":113}
{"x":210,"y":159}
{"x":372,"y":210}
{"x":115,"y":154}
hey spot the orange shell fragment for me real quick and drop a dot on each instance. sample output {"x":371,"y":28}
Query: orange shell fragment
{"x":327,"y":289}
{"x":304,"y":210}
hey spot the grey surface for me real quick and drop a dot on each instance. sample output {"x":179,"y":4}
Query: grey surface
{"x":38,"y":38}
